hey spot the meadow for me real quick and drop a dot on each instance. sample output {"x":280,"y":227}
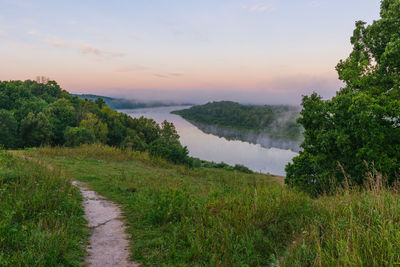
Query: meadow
{"x":179,"y":216}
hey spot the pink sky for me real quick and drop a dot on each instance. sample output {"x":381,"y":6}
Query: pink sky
{"x":274,"y":49}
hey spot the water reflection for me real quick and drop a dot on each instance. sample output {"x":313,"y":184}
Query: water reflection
{"x":264,"y":140}
{"x":209,"y":146}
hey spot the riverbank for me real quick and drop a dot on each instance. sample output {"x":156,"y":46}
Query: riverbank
{"x":186,"y":217}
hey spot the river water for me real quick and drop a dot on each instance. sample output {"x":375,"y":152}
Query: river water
{"x":259,"y":152}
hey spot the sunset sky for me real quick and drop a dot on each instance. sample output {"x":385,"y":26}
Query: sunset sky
{"x":267,"y":51}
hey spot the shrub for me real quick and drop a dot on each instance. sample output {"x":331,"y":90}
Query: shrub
{"x":76,"y":136}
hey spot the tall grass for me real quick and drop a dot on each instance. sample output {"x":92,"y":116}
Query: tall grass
{"x":355,"y":227}
{"x":210,"y":217}
{"x":41,"y":219}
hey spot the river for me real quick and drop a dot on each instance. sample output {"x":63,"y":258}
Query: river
{"x":261,"y":153}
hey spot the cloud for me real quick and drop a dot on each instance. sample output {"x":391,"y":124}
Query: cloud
{"x":261,"y":7}
{"x":168,"y":75}
{"x":90,"y":50}
{"x":33,"y":32}
{"x":160,"y":75}
{"x":176,"y":74}
{"x":130,"y":68}
{"x":315,"y":3}
{"x":57,"y":43}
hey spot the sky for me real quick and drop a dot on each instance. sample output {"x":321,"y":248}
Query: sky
{"x":253,"y":51}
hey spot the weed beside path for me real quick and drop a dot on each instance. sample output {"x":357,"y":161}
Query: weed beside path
{"x":41,"y":219}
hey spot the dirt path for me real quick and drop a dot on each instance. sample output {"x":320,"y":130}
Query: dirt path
{"x":109,"y":245}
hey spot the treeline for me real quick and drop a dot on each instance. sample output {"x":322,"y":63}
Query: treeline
{"x":275,"y":120}
{"x":34,"y":114}
{"x":119,"y":103}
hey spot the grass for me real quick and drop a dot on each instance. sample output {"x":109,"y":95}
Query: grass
{"x":41,"y":219}
{"x":213,"y":217}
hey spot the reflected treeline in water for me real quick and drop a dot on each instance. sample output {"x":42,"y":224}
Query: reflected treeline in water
{"x":262,"y":139}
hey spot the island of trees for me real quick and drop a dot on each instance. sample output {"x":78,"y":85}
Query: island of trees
{"x":274,"y":120}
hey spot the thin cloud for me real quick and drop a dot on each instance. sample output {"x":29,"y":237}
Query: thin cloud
{"x":176,"y":74}
{"x":161,"y":75}
{"x":261,"y":7}
{"x":168,"y":75}
{"x":33,"y":32}
{"x":315,"y":3}
{"x":57,"y":43}
{"x":91,"y":50}
{"x":130,"y":68}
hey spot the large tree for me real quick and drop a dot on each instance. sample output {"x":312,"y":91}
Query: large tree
{"x":359,"y":129}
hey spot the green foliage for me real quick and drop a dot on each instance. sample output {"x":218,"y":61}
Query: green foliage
{"x":8,"y":129}
{"x":41,"y":219}
{"x":76,"y":136}
{"x":172,"y":151}
{"x":35,"y":130}
{"x":359,"y":128}
{"x":275,"y":120}
{"x":92,"y":123}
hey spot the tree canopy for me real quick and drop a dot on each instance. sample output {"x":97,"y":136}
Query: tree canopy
{"x":358,"y":130}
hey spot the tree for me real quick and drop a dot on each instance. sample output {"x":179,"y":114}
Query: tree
{"x":359,"y":128}
{"x":173,"y":151}
{"x":35,"y":130}
{"x":168,"y":132}
{"x":93,"y":124}
{"x":75,"y":136}
{"x":61,"y":116}
{"x":8,"y":129}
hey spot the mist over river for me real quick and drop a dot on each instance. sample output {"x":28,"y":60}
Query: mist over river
{"x":261,"y":153}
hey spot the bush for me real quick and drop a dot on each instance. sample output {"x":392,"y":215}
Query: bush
{"x":242,"y":168}
{"x":76,"y":136}
{"x":171,"y":151}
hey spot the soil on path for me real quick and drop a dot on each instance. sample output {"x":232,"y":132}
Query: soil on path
{"x":109,"y":245}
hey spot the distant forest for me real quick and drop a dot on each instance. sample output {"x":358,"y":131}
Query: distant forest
{"x":275,"y":120}
{"x":120,"y":103}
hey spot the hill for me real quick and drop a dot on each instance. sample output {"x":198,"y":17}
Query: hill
{"x":274,"y":120}
{"x":178,"y":216}
{"x":34,"y":114}
{"x":121,"y":103}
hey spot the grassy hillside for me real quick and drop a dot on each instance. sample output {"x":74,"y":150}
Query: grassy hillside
{"x":212,"y":217}
{"x":274,"y":120}
{"x":41,"y":219}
